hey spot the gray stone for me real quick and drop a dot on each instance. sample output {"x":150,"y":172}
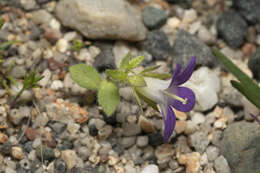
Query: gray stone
{"x":100,"y":19}
{"x":186,"y":46}
{"x":60,"y":166}
{"x":17,"y":115}
{"x":240,"y":146}
{"x":18,"y":72}
{"x":131,"y":129}
{"x":249,"y":9}
{"x":232,"y":28}
{"x":151,"y":169}
{"x":142,"y":141}
{"x":153,"y":17}
{"x":199,"y":140}
{"x":45,"y":153}
{"x":212,"y":153}
{"x":157,"y":44}
{"x":127,"y":142}
{"x":254,"y":63}
{"x":221,"y":165}
{"x":105,"y":59}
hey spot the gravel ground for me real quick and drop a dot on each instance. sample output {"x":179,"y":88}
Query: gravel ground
{"x":59,"y":128}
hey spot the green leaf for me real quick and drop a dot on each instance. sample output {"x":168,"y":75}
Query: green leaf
{"x":136,"y":81}
{"x":247,"y":85}
{"x":125,"y":61}
{"x":108,"y":97}
{"x":138,"y":100}
{"x":85,"y":76}
{"x":147,"y":100}
{"x":4,"y":45}
{"x":149,"y":69}
{"x":133,"y":63}
{"x":116,"y":74}
{"x":162,"y":76}
{"x":1,"y":23}
{"x":249,"y":94}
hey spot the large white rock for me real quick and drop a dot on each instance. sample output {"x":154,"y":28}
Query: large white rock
{"x":205,"y":84}
{"x":102,"y":19}
{"x":151,"y":169}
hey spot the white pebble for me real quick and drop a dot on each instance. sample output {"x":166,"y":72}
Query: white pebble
{"x":57,"y":84}
{"x":151,"y":169}
{"x":62,"y":45}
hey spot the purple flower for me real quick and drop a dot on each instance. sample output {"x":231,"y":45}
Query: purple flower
{"x":169,"y":94}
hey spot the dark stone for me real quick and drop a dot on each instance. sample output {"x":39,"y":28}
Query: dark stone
{"x":250,"y":9}
{"x":93,"y":131}
{"x":186,"y":46}
{"x":6,"y":148}
{"x":13,"y":3}
{"x":42,"y":1}
{"x":232,"y":28}
{"x":254,"y":63}
{"x":106,"y":58}
{"x":157,"y":44}
{"x":240,"y":146}
{"x":60,"y":166}
{"x":65,"y":145}
{"x":155,"y":139}
{"x":45,"y":153}
{"x":58,"y":127}
{"x":153,"y":18}
{"x":110,"y":119}
{"x":27,"y":147}
{"x":184,"y":3}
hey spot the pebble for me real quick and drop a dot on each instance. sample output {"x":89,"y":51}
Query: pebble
{"x":105,"y":131}
{"x":198,"y":118}
{"x":150,"y":169}
{"x":153,"y":17}
{"x":3,"y":138}
{"x":131,"y":129}
{"x":191,"y":127}
{"x":47,"y":76}
{"x":73,"y":128}
{"x":106,"y":25}
{"x":29,"y":4}
{"x":199,"y":140}
{"x":41,"y":17}
{"x":17,"y":153}
{"x":212,"y":152}
{"x":180,"y":126}
{"x":155,"y":139}
{"x":62,"y":45}
{"x":235,"y":34}
{"x":253,"y":63}
{"x":221,"y":165}
{"x":146,"y":125}
{"x":60,"y":166}
{"x":164,"y":153}
{"x":127,"y":142}
{"x":70,"y":157}
{"x":45,"y":153}
{"x":17,"y":115}
{"x":25,"y":164}
{"x":191,"y":160}
{"x":205,"y":35}
{"x":189,"y":16}
{"x":142,"y":141}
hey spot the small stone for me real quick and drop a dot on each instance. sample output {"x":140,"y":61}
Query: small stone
{"x":31,"y":133}
{"x":57,"y":84}
{"x":180,"y":115}
{"x":150,"y":169}
{"x":189,"y":16}
{"x":204,"y":159}
{"x":93,"y":131}
{"x":212,"y":152}
{"x":25,"y":164}
{"x":142,"y":141}
{"x":221,"y":165}
{"x":29,"y":4}
{"x":60,"y":166}
{"x":199,"y":140}
{"x":17,"y":115}
{"x":17,"y":153}
{"x":46,"y":78}
{"x":70,"y":157}
{"x":155,"y":139}
{"x":9,"y":170}
{"x":157,"y":44}
{"x":62,"y":45}
{"x":127,"y":142}
{"x":254,"y":63}
{"x":198,"y":118}
{"x":105,"y":132}
{"x":146,"y":125}
{"x":180,"y":126}
{"x":3,"y":138}
{"x":248,"y":49}
{"x":192,"y":162}
{"x":205,"y":35}
{"x":153,"y":17}
{"x":41,"y":17}
{"x":235,"y":34}
{"x":173,"y":164}
{"x":131,"y":129}
{"x":204,"y":83}
{"x":45,"y":153}
{"x":73,"y":128}
{"x":191,"y":127}
{"x":164,"y":152}
{"x":18,"y":72}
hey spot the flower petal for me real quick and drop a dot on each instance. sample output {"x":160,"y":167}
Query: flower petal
{"x":182,"y":77}
{"x":175,"y":73}
{"x":184,"y":93}
{"x":169,"y":123}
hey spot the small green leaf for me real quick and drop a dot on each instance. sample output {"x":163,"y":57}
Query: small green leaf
{"x":1,"y":23}
{"x":125,"y":61}
{"x":138,"y":100}
{"x":116,"y":75}
{"x":162,"y":76}
{"x":133,"y":63}
{"x":249,"y":94}
{"x":152,"y":68}
{"x":85,"y":76}
{"x":136,"y":81}
{"x":108,"y":97}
